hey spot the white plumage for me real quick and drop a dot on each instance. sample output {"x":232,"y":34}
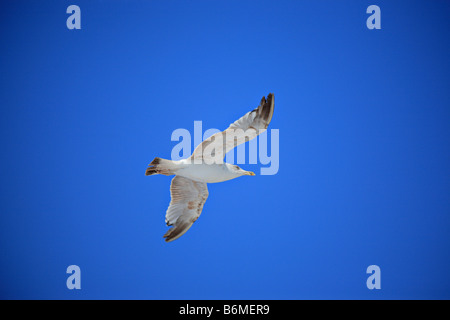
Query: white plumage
{"x":188,"y":188}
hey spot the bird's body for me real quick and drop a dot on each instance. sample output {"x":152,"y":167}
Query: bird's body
{"x":208,"y":173}
{"x":189,"y":187}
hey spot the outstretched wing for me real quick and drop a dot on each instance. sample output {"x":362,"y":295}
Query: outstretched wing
{"x":245,"y":129}
{"x":188,"y":198}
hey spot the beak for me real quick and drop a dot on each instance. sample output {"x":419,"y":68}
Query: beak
{"x":249,"y":173}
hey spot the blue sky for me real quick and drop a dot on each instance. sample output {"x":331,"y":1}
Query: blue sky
{"x":363,"y":119}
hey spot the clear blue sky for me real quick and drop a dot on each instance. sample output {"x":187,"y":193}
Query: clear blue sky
{"x":363,"y":117}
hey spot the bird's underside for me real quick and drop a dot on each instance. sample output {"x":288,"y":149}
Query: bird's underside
{"x":189,"y":189}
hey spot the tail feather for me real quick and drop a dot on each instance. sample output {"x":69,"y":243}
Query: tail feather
{"x":156,"y":161}
{"x":160,"y":166}
{"x":150,"y":171}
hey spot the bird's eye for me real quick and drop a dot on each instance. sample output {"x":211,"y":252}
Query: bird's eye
{"x":236,"y":167}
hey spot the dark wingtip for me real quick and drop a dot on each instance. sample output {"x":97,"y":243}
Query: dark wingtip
{"x":268,"y":107}
{"x":174,"y":233}
{"x":263,"y":101}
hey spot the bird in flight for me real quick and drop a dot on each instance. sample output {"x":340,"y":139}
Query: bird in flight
{"x":189,"y":189}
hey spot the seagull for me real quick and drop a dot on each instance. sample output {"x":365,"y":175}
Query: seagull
{"x":188,"y":189}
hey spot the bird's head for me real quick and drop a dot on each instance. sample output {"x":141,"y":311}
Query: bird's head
{"x":239,"y":171}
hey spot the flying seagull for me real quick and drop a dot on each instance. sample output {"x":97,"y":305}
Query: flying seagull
{"x":188,"y":189}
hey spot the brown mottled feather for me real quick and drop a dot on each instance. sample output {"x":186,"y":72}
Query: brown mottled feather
{"x":188,"y":198}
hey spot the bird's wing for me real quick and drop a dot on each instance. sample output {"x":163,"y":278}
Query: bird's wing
{"x":188,"y":198}
{"x":244,"y":129}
